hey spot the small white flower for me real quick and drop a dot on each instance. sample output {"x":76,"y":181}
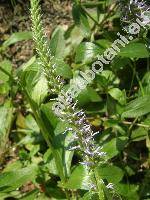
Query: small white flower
{"x":110,"y":186}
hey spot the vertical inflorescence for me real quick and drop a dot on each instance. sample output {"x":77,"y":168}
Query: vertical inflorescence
{"x":83,"y":138}
{"x":133,"y":9}
{"x":43,"y":49}
{"x":82,"y":132}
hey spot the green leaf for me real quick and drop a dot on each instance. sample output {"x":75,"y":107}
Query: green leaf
{"x":134,"y":50}
{"x":118,"y":95}
{"x":78,"y":179}
{"x":111,"y":173}
{"x":49,"y":162}
{"x":86,"y":51}
{"x":5,"y":73}
{"x":81,"y":19}
{"x":88,"y":95}
{"x":114,"y":146}
{"x":6,"y":117}
{"x":14,"y":179}
{"x":57,"y":43}
{"x":50,"y":122}
{"x":17,"y":37}
{"x":6,"y":65}
{"x":74,"y":38}
{"x":13,"y":166}
{"x":107,"y":78}
{"x":137,"y":107}
{"x":33,"y":79}
{"x":40,"y":90}
{"x":63,"y":69}
{"x":139,"y":134}
{"x":128,"y":190}
{"x":29,"y":74}
{"x":48,"y":116}
{"x":55,"y":192}
{"x":25,"y":66}
{"x":31,"y":123}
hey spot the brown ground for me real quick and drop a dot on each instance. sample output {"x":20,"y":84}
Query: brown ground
{"x":17,"y":18}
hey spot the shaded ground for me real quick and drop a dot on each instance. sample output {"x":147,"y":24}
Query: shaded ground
{"x":17,"y":18}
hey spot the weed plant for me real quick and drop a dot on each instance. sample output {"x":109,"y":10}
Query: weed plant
{"x":98,"y":146}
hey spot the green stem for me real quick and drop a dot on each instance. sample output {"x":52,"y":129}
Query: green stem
{"x":133,"y":67}
{"x":99,"y":185}
{"x":89,"y":16}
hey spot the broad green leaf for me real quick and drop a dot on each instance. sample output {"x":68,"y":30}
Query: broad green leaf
{"x":137,"y":107}
{"x":111,"y":173}
{"x":129,"y":191}
{"x":115,"y":124}
{"x":49,"y":162}
{"x":86,"y":52}
{"x":33,"y":79}
{"x":81,"y":19}
{"x":9,"y":195}
{"x":113,"y":106}
{"x":120,"y":62}
{"x":79,"y":179}
{"x":26,"y":65}
{"x":114,"y":146}
{"x":31,"y":123}
{"x":118,"y":95}
{"x":29,"y":74}
{"x":17,"y":37}
{"x":6,"y":117}
{"x":6,"y":65}
{"x":50,"y":122}
{"x":55,"y":192}
{"x":103,"y":43}
{"x":139,"y":134}
{"x":40,"y":90}
{"x":134,"y":50}
{"x":16,"y":165}
{"x":57,"y":43}
{"x":62,"y":141}
{"x":63,"y":69}
{"x":14,"y":179}
{"x":5,"y":82}
{"x":88,"y":95}
{"x":48,"y":116}
{"x":74,"y":38}
{"x":106,"y":79}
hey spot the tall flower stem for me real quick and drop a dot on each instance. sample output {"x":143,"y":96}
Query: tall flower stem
{"x":54,"y":83}
{"x":83,"y":134}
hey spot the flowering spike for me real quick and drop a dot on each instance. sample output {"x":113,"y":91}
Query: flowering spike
{"x":43,"y":49}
